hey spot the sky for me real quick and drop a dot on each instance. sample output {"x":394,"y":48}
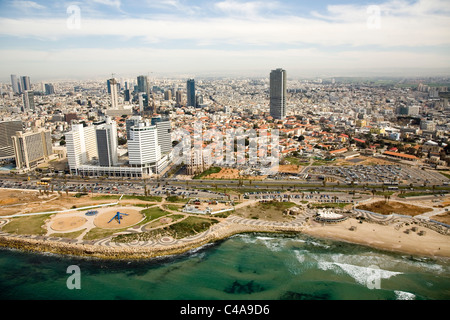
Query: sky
{"x":245,"y":38}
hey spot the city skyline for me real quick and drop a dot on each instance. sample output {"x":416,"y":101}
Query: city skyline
{"x":224,"y":38}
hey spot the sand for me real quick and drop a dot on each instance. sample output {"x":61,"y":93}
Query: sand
{"x":386,"y":237}
{"x":133,"y":217}
{"x":387,"y":208}
{"x":69,"y":223}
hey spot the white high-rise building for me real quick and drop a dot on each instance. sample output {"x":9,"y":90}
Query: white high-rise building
{"x":144,"y":150}
{"x":81,"y":143}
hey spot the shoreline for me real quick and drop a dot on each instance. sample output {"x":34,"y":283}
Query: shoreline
{"x":381,"y":238}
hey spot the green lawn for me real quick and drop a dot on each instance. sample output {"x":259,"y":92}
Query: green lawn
{"x":188,"y":227}
{"x":329,"y":205}
{"x":208,"y":172}
{"x":30,"y":225}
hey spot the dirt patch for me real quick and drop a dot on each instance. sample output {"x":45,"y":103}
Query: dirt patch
{"x":289,"y":168}
{"x":266,"y":211}
{"x":387,"y":208}
{"x":104,"y":219}
{"x":444,"y":218}
{"x":229,"y":173}
{"x":66,"y":224}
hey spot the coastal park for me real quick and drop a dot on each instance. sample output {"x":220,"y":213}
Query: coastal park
{"x":150,"y":223}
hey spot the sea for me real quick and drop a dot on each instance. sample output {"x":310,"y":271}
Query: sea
{"x":254,"y":266}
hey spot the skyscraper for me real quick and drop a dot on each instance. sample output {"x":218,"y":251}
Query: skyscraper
{"x":25,"y":83}
{"x":7,"y":130}
{"x":49,"y":89}
{"x":164,"y":129}
{"x":32,"y":148}
{"x":143,"y":85}
{"x":15,"y":83}
{"x":114,"y":94}
{"x":107,"y":143}
{"x":178,"y":98}
{"x":278,"y":92}
{"x":143,"y":148}
{"x":28,"y":101}
{"x":191,"y":93}
{"x":81,"y":143}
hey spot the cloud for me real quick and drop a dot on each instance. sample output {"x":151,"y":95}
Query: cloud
{"x":111,"y":3}
{"x":247,"y":9}
{"x":25,"y":5}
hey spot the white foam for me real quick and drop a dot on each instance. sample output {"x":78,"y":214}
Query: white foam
{"x":402,"y":295}
{"x":360,"y":274}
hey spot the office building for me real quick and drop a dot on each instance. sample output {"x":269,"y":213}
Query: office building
{"x":25,"y":83}
{"x":191,"y":102}
{"x":164,"y":134}
{"x":15,"y":83}
{"x":178,"y":98}
{"x":143,"y":85}
{"x":31,"y":148}
{"x":7,"y":130}
{"x":81,"y":143}
{"x":144,"y":150}
{"x":49,"y":89}
{"x":408,"y":110}
{"x":114,"y":94}
{"x":107,"y":143}
{"x":127,"y":95}
{"x":278,"y":90}
{"x":28,"y":101}
{"x":131,"y":122}
{"x":168,"y":95}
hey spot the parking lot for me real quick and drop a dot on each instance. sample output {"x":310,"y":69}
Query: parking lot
{"x":310,"y":196}
{"x":378,"y":174}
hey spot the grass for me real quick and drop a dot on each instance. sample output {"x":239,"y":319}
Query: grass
{"x":329,"y":205}
{"x":188,"y":227}
{"x":143,"y":198}
{"x":276,"y":205}
{"x":176,"y":199}
{"x":30,"y":225}
{"x":208,"y":172}
{"x":153,"y":213}
{"x":173,"y":207}
{"x":414,"y":194}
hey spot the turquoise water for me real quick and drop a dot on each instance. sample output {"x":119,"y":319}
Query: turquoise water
{"x":244,"y":267}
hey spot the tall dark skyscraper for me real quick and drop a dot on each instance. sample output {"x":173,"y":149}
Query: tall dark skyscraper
{"x":25,"y":83}
{"x":278,"y":90}
{"x":191,"y":102}
{"x":143,"y":85}
{"x":49,"y":89}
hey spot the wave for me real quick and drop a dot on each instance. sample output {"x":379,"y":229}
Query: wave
{"x":361,"y":274}
{"x":402,"y":295}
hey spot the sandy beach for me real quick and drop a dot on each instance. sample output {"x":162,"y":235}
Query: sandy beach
{"x":386,"y":237}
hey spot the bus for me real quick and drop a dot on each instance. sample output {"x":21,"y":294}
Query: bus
{"x":44,"y":182}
